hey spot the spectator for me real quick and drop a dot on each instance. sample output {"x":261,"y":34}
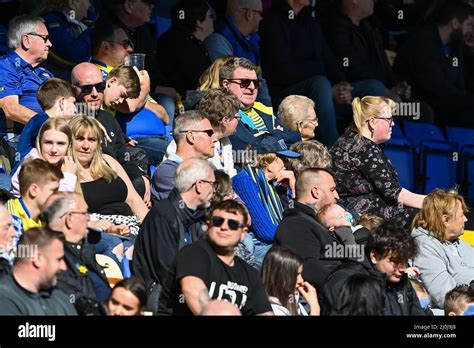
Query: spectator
{"x":70,"y":37}
{"x":444,"y":260}
{"x":459,"y":301}
{"x":220,"y":307}
{"x":313,"y":155}
{"x":238,"y":36}
{"x":283,"y":283}
{"x":29,"y":43}
{"x":366,"y":180}
{"x":299,"y":230}
{"x":7,"y":233}
{"x":90,"y":92}
{"x":38,"y":180}
{"x":360,"y":295}
{"x":387,"y":252}
{"x":184,"y":41}
{"x":111,"y":48}
{"x":359,"y":46}
{"x":297,"y":60}
{"x":128,"y":298}
{"x":239,"y":76}
{"x":297,"y":113}
{"x":105,"y":185}
{"x":53,"y":145}
{"x":222,"y":110}
{"x":84,"y":279}
{"x":370,"y":222}
{"x":210,"y":264}
{"x":195,"y":138}
{"x":31,"y":288}
{"x":173,"y":223}
{"x":432,"y":61}
{"x":266,"y":187}
{"x":57,"y":98}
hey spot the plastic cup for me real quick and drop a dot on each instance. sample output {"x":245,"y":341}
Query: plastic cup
{"x":138,"y":60}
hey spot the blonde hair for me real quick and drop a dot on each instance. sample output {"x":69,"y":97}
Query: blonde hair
{"x":210,"y":77}
{"x":367,"y":108}
{"x":99,"y":168}
{"x":438,"y":203}
{"x":293,"y":110}
{"x":264,"y":160}
{"x":313,"y":155}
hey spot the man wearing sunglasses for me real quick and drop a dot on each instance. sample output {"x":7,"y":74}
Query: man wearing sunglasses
{"x":173,"y":223}
{"x":239,"y":76}
{"x":209,"y":269}
{"x":20,"y":74}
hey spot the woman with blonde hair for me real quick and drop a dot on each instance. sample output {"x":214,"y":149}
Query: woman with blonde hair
{"x":105,"y":185}
{"x":444,"y":260}
{"x":365,"y":179}
{"x":53,"y":145}
{"x":210,"y":77}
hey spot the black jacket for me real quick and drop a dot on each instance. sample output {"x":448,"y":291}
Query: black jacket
{"x":162,"y":235}
{"x":85,"y":289}
{"x":182,"y":59}
{"x":400,"y":298}
{"x":363,"y":48}
{"x":432,"y":74}
{"x":300,"y":232}
{"x":5,"y":267}
{"x":294,"y":49}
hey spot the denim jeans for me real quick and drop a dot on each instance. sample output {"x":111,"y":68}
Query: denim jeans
{"x":155,"y":148}
{"x":108,"y":242}
{"x":259,"y":251}
{"x":5,"y":181}
{"x":168,"y":103}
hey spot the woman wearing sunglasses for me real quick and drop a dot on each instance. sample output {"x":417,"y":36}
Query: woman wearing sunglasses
{"x":366,"y":180}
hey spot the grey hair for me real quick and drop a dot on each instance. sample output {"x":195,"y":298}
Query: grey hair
{"x":190,"y":171}
{"x":62,"y":203}
{"x":20,"y":26}
{"x":186,"y":121}
{"x":294,"y":109}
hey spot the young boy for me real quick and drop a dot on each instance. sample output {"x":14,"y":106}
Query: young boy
{"x":459,"y":301}
{"x":57,"y":98}
{"x":38,"y":180}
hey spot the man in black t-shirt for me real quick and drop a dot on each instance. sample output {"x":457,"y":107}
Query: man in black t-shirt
{"x":209,"y":270}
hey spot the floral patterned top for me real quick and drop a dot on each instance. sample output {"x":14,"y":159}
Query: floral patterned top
{"x":366,"y":180}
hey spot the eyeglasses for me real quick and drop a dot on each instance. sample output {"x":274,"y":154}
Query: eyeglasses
{"x":44,"y":37}
{"x":389,"y":119}
{"x":245,"y":83}
{"x":233,"y":224}
{"x":124,"y":43}
{"x":314,"y":120}
{"x":87,"y":89}
{"x":238,"y":116}
{"x":212,"y":183}
{"x":85,"y":213}
{"x":256,"y":11}
{"x":209,"y":132}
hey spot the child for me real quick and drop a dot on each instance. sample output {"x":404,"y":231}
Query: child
{"x":38,"y":180}
{"x":459,"y":301}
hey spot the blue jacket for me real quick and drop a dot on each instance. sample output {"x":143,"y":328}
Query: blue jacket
{"x":71,"y":44}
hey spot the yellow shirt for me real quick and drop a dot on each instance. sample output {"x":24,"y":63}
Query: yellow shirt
{"x":22,"y":220}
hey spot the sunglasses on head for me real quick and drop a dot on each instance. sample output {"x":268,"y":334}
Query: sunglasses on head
{"x":87,"y":89}
{"x":233,"y":224}
{"x":245,"y":83}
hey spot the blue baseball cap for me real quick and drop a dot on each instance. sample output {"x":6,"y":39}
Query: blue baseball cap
{"x":270,"y":144}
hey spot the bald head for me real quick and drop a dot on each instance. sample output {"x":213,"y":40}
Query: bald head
{"x":88,"y":74}
{"x":316,"y":186}
{"x":220,"y":307}
{"x":245,"y":14}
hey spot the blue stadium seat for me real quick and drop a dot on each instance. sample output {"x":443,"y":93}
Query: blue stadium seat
{"x":3,"y":40}
{"x":464,"y":137}
{"x":397,"y":131}
{"x":141,"y":124}
{"x":402,"y":155}
{"x":438,"y":158}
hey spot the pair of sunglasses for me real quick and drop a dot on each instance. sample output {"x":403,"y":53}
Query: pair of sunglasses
{"x":234,"y":225}
{"x":87,"y":89}
{"x":245,"y":83}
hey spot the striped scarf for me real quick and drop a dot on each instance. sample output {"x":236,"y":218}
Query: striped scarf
{"x":268,"y":197}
